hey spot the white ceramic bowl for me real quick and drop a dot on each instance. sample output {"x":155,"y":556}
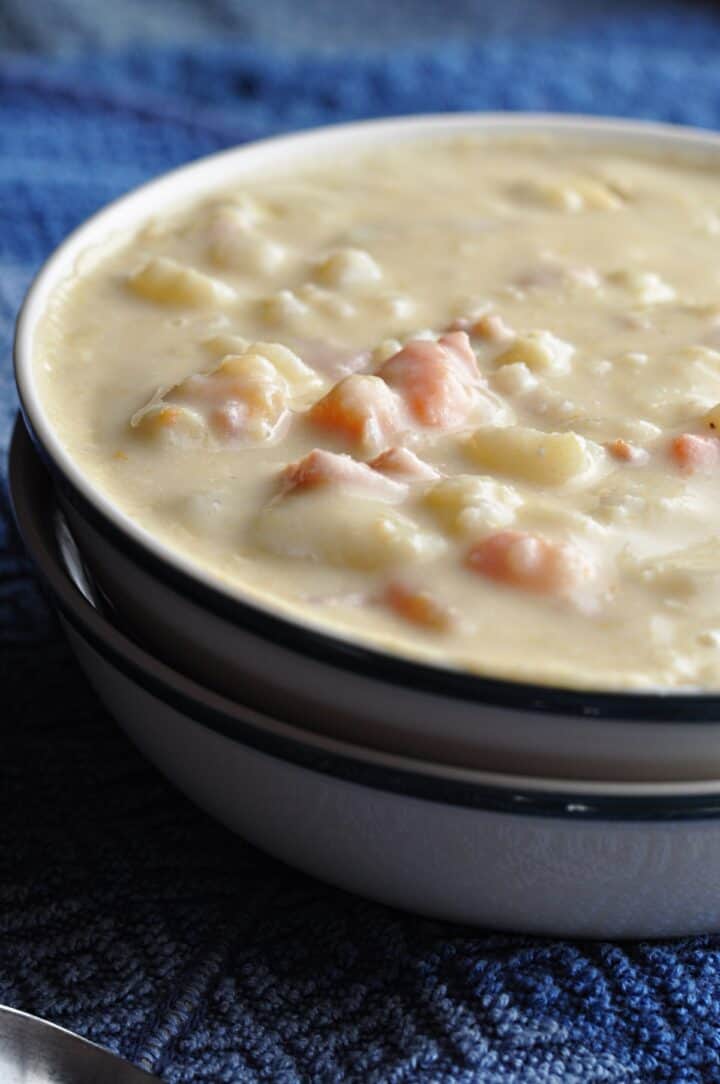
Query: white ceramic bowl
{"x":300,"y":672}
{"x":539,"y":855}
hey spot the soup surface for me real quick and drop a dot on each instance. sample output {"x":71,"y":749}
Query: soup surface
{"x":458,"y":399}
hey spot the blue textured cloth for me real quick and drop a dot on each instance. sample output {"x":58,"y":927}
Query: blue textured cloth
{"x":125,"y":913}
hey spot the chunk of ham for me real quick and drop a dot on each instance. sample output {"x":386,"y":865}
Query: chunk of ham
{"x":361,"y":409}
{"x":531,"y":563}
{"x":418,"y":606}
{"x":692,"y":453}
{"x":439,"y":381}
{"x":321,"y":468}
{"x":404,"y":465}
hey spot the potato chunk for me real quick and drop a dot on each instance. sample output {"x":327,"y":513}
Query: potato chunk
{"x":350,"y":269}
{"x":532,"y":455}
{"x":573,"y":195}
{"x":468,"y":503}
{"x":170,"y":424}
{"x":540,"y":351}
{"x":233,"y":244}
{"x":300,"y":377}
{"x":645,"y":286}
{"x":243,"y":399}
{"x":284,"y":307}
{"x":168,"y":282}
{"x":340,"y":529}
{"x":224,"y":343}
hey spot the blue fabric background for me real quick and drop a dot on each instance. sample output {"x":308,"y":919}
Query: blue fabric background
{"x":126,"y":914}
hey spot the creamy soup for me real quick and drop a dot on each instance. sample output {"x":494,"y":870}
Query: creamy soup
{"x":456,"y":399}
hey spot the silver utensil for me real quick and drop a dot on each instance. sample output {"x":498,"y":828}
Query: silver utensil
{"x":33,"y":1051}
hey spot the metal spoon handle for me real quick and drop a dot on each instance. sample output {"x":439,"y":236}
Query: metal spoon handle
{"x":33,"y":1051}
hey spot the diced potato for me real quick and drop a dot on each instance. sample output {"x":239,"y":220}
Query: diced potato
{"x":349,"y":268}
{"x":645,"y":286}
{"x":579,"y":194}
{"x":300,"y":377}
{"x":246,"y":210}
{"x":532,"y":455}
{"x":356,"y":533}
{"x":218,"y":346}
{"x":597,"y":195}
{"x":232,"y":245}
{"x":514,"y":379}
{"x":170,"y":424}
{"x":553,"y":195}
{"x":468,"y":503}
{"x":171,"y":283}
{"x":540,"y":351}
{"x":283,"y":307}
{"x":399,"y":306}
{"x":323,"y":300}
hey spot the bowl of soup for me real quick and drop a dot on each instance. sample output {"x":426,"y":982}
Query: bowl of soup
{"x":408,"y":430}
{"x":543,"y":855}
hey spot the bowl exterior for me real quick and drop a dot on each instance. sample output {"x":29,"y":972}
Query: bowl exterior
{"x":540,"y":875}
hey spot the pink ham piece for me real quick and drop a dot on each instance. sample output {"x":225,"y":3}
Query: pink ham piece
{"x":418,"y":606}
{"x":320,"y":468}
{"x":404,"y":465}
{"x":531,"y":563}
{"x":692,"y":453}
{"x":361,"y":409}
{"x":439,"y":381}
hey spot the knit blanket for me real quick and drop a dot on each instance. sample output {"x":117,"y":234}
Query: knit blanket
{"x":125,"y":913}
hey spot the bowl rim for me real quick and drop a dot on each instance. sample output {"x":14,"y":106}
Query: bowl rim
{"x":34,"y":507}
{"x":198,"y":585}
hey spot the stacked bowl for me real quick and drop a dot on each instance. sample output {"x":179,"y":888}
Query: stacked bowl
{"x":482,"y":801}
